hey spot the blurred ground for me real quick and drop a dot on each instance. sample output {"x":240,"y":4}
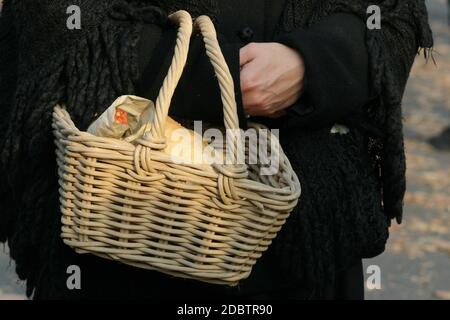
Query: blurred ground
{"x":416,"y":264}
{"x":10,"y":287}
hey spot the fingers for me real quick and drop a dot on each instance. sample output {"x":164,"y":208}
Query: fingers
{"x":268,"y":104}
{"x":271,"y":79}
{"x":246,"y":54}
{"x":255,"y":104}
{"x":249,"y":76}
{"x":277,"y":114}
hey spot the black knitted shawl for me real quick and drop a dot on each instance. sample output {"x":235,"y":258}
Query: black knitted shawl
{"x":86,"y":69}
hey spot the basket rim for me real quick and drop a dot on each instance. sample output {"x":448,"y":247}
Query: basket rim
{"x":61,"y":114}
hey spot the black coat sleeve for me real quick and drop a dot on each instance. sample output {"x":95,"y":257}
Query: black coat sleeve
{"x":197,"y":96}
{"x":337,"y":71}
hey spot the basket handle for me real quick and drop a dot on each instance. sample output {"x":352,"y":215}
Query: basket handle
{"x":155,"y":138}
{"x":226,"y":83}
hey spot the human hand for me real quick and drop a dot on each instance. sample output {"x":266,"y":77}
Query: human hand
{"x":272,"y":78}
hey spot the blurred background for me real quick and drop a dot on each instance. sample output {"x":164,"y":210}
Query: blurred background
{"x":416,"y":264}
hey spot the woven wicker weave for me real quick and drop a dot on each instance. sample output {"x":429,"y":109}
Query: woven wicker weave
{"x":132,"y":203}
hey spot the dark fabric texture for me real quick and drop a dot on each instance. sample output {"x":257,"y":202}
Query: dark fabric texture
{"x":336,"y":62}
{"x":8,"y":82}
{"x":349,"y":285}
{"x":352,"y":185}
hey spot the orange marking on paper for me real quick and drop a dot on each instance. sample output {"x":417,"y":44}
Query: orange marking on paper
{"x":121,"y":116}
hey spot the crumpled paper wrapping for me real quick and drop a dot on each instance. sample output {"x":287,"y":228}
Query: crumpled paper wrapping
{"x":124,"y":118}
{"x":130,"y":117}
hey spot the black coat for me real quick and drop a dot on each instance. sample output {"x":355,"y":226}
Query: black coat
{"x":340,"y":217}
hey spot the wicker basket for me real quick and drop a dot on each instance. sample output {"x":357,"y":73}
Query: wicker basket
{"x":131,"y":203}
